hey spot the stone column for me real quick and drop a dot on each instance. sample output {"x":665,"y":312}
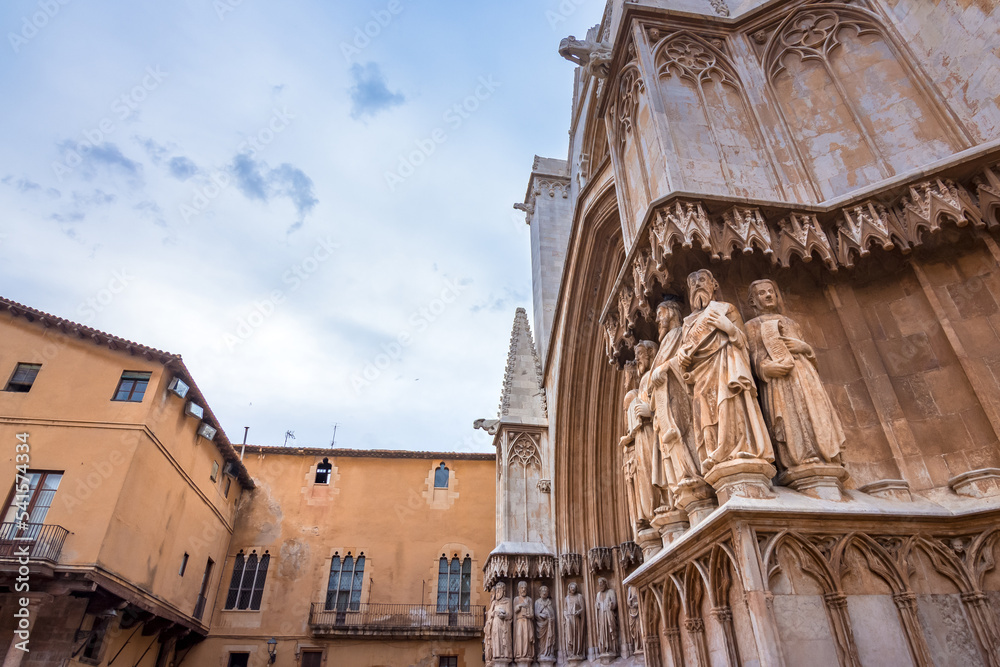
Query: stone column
{"x":676,"y":650}
{"x":758,"y":598}
{"x":724,"y":615}
{"x":696,"y":630}
{"x":906,"y":605}
{"x":843,"y":634}
{"x":651,"y":650}
{"x":981,"y":614}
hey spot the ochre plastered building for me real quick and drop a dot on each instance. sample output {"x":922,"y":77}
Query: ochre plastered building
{"x":118,"y":494}
{"x":129,"y":510}
{"x":803,"y":471}
{"x":373,"y":529}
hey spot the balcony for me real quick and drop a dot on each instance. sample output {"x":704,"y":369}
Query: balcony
{"x":41,"y":543}
{"x":400,"y":621}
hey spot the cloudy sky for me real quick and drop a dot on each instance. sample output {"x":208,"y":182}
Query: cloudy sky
{"x":280,"y":198}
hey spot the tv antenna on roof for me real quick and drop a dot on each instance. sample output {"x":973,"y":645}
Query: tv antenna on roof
{"x":334,"y":440}
{"x":289,"y":434}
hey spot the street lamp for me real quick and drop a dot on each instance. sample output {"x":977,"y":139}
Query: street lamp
{"x":272,"y":650}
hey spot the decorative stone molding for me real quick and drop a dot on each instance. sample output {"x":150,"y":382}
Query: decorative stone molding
{"x":601,"y":559}
{"x":521,"y":566}
{"x":838,"y":236}
{"x":891,"y":489}
{"x":570,"y":565}
{"x":742,"y":229}
{"x":629,"y":555}
{"x":800,"y":235}
{"x":982,"y":483}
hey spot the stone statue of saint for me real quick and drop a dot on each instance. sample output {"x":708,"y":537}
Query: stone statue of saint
{"x":606,"y":608}
{"x":576,"y":647}
{"x":628,"y":446}
{"x":714,"y":355}
{"x":671,"y":404}
{"x":645,"y":451}
{"x":500,"y":630}
{"x":803,"y":422}
{"x":488,"y":630}
{"x":545,"y":626}
{"x":524,"y":625}
{"x":634,"y":626}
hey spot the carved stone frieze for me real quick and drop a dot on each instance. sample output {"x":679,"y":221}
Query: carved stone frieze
{"x":570,"y":565}
{"x":525,"y":566}
{"x":742,"y":230}
{"x":601,"y":559}
{"x":801,"y":235}
{"x":863,"y":226}
{"x":684,"y":223}
{"x":930,"y":203}
{"x":629,"y":555}
{"x":987,"y":189}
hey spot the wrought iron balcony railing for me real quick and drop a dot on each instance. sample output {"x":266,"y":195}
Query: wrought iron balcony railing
{"x":397,"y":620}
{"x":42,"y":541}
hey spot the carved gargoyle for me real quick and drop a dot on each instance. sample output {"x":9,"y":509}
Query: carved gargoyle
{"x":593,"y":57}
{"x":488,"y":425}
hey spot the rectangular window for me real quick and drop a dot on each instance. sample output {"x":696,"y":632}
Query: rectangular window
{"x":23,"y":377}
{"x":132,"y":386}
{"x":184,"y":565}
{"x":94,"y":645}
{"x":239,"y":660}
{"x":227,"y":485}
{"x":246,"y":588}
{"x":206,"y":579}
{"x":215,"y":470}
{"x":32,"y":493}
{"x":448,"y":661}
{"x":312,"y":658}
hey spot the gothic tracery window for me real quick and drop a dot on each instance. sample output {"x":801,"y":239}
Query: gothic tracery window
{"x":246,"y":588}
{"x":347,"y":576}
{"x":454,"y":584}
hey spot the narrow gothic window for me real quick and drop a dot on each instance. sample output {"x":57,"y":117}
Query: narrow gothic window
{"x":323,"y":472}
{"x":454,"y":584}
{"x":343,"y":593}
{"x":441,"y":477}
{"x":246,"y":588}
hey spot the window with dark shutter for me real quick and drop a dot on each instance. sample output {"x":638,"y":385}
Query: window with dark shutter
{"x":23,"y":377}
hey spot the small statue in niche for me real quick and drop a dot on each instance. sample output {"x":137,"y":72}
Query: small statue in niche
{"x":606,"y":608}
{"x":501,"y":626}
{"x":545,"y":626}
{"x":573,"y":615}
{"x":634,"y":626}
{"x":524,"y":625}
{"x":628,"y":446}
{"x":803,"y":422}
{"x":715,"y":360}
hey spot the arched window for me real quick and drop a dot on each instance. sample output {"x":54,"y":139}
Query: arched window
{"x":454,"y":584}
{"x":441,"y":477}
{"x":343,"y":593}
{"x":323,"y":472}
{"x":246,"y":588}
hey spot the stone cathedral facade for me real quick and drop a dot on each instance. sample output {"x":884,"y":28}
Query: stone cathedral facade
{"x":758,"y":423}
